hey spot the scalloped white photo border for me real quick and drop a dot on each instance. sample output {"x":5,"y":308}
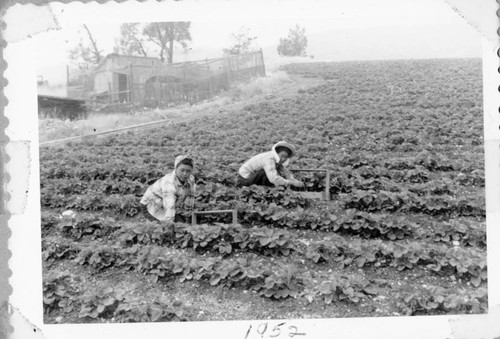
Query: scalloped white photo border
{"x":25,"y":303}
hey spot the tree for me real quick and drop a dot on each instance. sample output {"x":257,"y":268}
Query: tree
{"x":164,"y":34}
{"x":295,"y":44}
{"x":241,"y":42}
{"x":131,"y":41}
{"x":86,"y":54}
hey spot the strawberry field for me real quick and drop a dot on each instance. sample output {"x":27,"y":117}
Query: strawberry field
{"x":403,"y":234}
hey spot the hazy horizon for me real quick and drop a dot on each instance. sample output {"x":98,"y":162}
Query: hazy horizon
{"x":427,"y":30}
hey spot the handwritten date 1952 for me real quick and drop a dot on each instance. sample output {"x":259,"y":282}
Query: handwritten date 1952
{"x":269,"y":331}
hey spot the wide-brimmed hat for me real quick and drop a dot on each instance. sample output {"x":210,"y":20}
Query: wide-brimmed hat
{"x":286,"y":145}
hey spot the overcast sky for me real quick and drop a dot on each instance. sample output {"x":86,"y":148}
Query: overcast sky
{"x":336,"y":30}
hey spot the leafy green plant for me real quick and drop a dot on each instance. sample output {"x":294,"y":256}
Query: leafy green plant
{"x":49,"y":221}
{"x":82,"y":225}
{"x":59,"y":293}
{"x":58,"y":249}
{"x":463,"y":232}
{"x":321,"y":252}
{"x":338,"y":288}
{"x":161,"y":310}
{"x":98,"y":256}
{"x":437,"y":300}
{"x":284,"y":283}
{"x":147,"y":233}
{"x":100,"y":302}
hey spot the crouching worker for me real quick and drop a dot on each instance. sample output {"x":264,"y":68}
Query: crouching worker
{"x":269,"y":168}
{"x":173,"y":195}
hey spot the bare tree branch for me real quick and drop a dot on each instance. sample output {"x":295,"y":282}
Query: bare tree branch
{"x":95,"y":50}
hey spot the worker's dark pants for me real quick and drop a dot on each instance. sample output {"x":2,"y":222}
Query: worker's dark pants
{"x":256,"y":178}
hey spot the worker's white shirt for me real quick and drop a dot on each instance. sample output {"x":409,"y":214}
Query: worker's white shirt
{"x":267,"y":161}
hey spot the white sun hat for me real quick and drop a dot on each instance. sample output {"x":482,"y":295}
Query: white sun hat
{"x":286,"y":145}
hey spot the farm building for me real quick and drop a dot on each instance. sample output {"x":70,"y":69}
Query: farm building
{"x":57,"y":107}
{"x":126,"y":78}
{"x":112,"y":76}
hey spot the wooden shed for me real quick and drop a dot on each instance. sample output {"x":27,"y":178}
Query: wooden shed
{"x":112,"y":76}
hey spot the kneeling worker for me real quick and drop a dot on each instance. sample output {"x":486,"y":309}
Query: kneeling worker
{"x":172,"y":194}
{"x":269,"y":168}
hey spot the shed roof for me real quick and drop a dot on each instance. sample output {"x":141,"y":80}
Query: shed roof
{"x":116,"y":55}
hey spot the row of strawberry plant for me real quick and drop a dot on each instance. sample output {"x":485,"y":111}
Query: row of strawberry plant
{"x":364,"y":200}
{"x":211,"y":193}
{"x":127,"y":205}
{"x":344,"y":180}
{"x":370,"y":201}
{"x":70,"y":186}
{"x":61,"y":296}
{"x":78,"y":225}
{"x":424,"y":159}
{"x":214,"y":193}
{"x":144,"y":166}
{"x":347,"y":179}
{"x":55,"y":193}
{"x":326,"y":218}
{"x":437,"y":300}
{"x":250,"y":213}
{"x":463,"y":232}
{"x":282,"y":283}
{"x":223,"y":239}
{"x":133,"y":171}
{"x":469,"y":264}
{"x":59,"y":188}
{"x":418,"y":182}
{"x":348,"y":221}
{"x":247,"y":271}
{"x":409,"y":202}
{"x":227,"y":238}
{"x":367,"y":224}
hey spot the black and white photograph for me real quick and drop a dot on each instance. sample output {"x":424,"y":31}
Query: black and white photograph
{"x":268,"y":168}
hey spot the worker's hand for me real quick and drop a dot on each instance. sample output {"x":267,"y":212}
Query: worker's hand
{"x":296,"y":183}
